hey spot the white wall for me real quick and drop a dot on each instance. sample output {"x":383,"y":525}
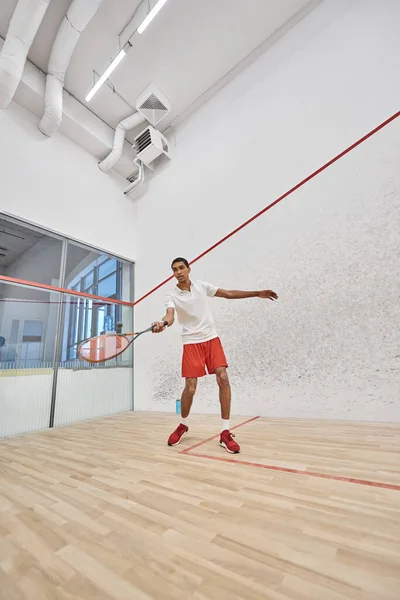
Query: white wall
{"x":81,"y":394}
{"x":89,"y":393}
{"x":330,"y":347}
{"x":56,"y":184}
{"x":25,"y":400}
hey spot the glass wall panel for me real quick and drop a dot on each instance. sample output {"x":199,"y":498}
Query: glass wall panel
{"x":85,"y":390}
{"x":28,"y":323}
{"x":42,"y":380}
{"x":90,"y":271}
{"x":28,"y":253}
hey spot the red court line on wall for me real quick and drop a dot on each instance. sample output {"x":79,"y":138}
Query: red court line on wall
{"x":388,"y":486}
{"x":285,"y":195}
{"x":186,"y":450}
{"x":52,"y":288}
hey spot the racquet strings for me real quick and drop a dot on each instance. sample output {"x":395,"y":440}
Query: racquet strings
{"x":103,"y":347}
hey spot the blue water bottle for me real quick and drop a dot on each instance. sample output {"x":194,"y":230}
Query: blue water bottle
{"x":178,"y":407}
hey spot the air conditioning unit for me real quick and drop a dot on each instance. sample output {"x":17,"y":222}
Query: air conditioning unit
{"x":149,"y":145}
{"x":153,"y":105}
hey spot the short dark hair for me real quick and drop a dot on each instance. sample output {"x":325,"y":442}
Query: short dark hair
{"x":180,"y":259}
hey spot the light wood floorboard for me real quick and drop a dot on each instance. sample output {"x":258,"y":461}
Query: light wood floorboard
{"x":105,"y":510}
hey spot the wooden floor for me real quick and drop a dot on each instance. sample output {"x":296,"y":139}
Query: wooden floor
{"x":105,"y":510}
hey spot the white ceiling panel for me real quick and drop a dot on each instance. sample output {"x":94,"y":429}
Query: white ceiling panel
{"x":188,"y":47}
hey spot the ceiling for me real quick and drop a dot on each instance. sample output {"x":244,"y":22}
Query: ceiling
{"x":189,"y":47}
{"x":14,"y":241}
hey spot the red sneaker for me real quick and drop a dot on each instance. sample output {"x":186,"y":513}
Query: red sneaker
{"x":227,"y":442}
{"x":177,"y":435}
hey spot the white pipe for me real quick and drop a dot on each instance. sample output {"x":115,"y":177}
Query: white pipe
{"x":22,"y":30}
{"x":76,"y":20}
{"x":118,"y":145}
{"x":137,"y":181}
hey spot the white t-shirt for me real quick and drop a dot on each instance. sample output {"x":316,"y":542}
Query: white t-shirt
{"x":193,"y":311}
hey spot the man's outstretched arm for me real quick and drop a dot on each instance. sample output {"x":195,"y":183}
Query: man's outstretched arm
{"x":238,"y":294}
{"x":169,"y":318}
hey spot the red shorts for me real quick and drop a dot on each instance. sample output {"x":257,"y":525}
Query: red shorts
{"x":196,"y":357}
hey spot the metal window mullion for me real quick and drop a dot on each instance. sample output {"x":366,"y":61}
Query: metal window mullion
{"x":58,"y":338}
{"x":119,"y":275}
{"x":81,"y":323}
{"x":71,"y":323}
{"x":86,"y":319}
{"x":95,"y":309}
{"x":132,"y":300}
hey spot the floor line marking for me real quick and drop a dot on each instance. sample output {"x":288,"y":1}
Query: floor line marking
{"x":365,"y":482}
{"x":186,"y":450}
{"x":378,"y":484}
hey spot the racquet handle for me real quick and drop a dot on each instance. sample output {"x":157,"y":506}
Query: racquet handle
{"x":165,"y":323}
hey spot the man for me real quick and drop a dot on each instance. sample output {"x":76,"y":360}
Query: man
{"x":202,"y":347}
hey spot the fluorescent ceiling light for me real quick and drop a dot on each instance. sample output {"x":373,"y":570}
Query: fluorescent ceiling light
{"x":154,"y":12}
{"x":105,"y":75}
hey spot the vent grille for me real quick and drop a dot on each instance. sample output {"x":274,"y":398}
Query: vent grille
{"x":153,"y":109}
{"x":149,"y":145}
{"x":153,"y":105}
{"x":143,"y":141}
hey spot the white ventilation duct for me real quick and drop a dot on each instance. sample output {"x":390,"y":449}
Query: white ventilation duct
{"x":137,"y":178}
{"x":25,"y":22}
{"x":76,"y":20}
{"x":116,"y":152}
{"x":79,"y":124}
